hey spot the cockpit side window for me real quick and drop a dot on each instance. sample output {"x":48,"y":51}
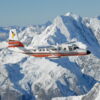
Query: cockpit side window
{"x":73,"y":47}
{"x":76,"y":48}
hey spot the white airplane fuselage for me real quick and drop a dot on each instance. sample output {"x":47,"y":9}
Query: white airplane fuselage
{"x":52,"y":51}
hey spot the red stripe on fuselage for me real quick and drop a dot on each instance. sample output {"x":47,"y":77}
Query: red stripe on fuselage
{"x":13,"y":43}
{"x":55,"y":54}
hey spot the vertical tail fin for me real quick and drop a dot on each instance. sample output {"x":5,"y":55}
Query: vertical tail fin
{"x":13,"y":35}
{"x":13,"y":39}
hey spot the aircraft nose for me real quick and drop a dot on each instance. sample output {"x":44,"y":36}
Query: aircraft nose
{"x":88,"y":52}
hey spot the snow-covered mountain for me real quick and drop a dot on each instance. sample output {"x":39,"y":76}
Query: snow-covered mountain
{"x":93,"y":94}
{"x":32,"y":78}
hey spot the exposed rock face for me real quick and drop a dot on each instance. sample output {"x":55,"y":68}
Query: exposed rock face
{"x":93,"y":94}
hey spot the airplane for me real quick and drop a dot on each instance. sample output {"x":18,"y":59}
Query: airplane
{"x":51,"y":51}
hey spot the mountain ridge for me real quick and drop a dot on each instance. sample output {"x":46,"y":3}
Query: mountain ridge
{"x":43,"y":78}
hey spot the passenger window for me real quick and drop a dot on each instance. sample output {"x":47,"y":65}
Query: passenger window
{"x":39,"y":49}
{"x":34,"y":50}
{"x":47,"y":49}
{"x":43,"y":49}
{"x":64,"y":48}
{"x":54,"y":49}
{"x":70,"y":48}
{"x":59,"y":48}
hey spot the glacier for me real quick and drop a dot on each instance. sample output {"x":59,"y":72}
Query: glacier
{"x":69,"y":78}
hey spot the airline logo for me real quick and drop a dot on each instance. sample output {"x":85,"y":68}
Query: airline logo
{"x":13,"y":35}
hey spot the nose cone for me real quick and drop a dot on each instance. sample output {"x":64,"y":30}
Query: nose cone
{"x":88,"y":52}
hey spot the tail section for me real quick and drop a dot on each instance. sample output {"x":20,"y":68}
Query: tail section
{"x":13,"y":39}
{"x":13,"y":35}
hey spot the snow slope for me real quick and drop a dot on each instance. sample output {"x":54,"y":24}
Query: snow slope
{"x":44,"y":78}
{"x":93,"y":94}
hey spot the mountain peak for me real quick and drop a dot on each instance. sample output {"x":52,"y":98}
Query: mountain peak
{"x":48,"y":78}
{"x":68,"y":14}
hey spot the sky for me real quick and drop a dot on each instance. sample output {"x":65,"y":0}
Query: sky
{"x":27,"y":12}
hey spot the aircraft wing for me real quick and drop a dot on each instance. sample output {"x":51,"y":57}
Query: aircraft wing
{"x":54,"y":56}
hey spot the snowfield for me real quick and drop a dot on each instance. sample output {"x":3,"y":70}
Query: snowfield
{"x":69,"y":78}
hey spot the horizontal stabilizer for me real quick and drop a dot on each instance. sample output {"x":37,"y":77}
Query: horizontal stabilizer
{"x":3,"y":45}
